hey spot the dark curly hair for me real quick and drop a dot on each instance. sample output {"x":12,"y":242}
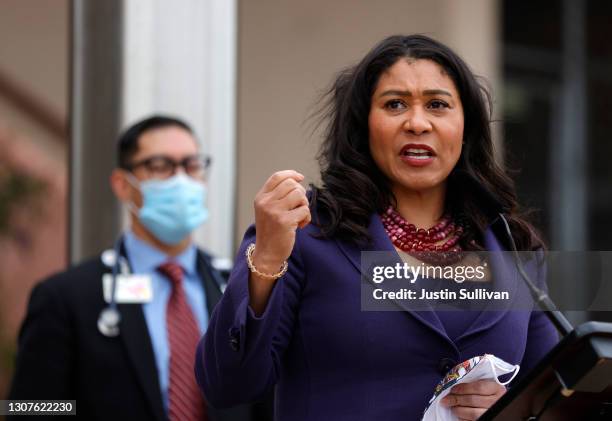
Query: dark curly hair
{"x":353,"y":187}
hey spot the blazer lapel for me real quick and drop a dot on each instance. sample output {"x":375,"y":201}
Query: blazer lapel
{"x":505,"y":278}
{"x":211,"y":280}
{"x":381,"y":242}
{"x":135,"y":336}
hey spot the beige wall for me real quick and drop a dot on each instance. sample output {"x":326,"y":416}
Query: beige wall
{"x":289,"y":51}
{"x":33,"y":59}
{"x":34,"y":47}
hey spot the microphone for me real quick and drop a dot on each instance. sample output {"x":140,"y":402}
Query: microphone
{"x":495,"y":208}
{"x":540,"y":296}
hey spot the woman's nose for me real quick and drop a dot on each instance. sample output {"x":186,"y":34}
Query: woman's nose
{"x":417,"y":122}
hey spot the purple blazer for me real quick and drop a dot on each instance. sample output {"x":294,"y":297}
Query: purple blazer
{"x":331,"y":361}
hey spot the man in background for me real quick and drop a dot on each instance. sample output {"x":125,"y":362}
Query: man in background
{"x":140,"y":367}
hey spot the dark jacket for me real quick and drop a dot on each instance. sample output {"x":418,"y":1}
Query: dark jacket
{"x":329,"y":359}
{"x":62,"y":354}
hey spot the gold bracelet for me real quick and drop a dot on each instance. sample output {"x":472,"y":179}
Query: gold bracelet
{"x":252,"y":268}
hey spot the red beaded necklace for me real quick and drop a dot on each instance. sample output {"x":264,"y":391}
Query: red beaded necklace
{"x":425,"y":244}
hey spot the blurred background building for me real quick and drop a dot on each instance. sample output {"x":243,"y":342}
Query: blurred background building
{"x":34,"y":141}
{"x":247,"y":75}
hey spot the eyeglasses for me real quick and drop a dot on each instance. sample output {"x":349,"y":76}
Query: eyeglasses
{"x":160,"y":166}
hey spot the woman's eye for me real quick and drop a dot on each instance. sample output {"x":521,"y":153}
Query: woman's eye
{"x":395,"y":104}
{"x":437,"y":104}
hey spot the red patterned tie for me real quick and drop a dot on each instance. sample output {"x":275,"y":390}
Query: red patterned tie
{"x":184,"y":399}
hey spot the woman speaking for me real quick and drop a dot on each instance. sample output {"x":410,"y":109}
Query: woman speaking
{"x":407,"y":166}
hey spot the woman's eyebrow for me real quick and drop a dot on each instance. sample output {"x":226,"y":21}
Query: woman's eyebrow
{"x":427,"y":92}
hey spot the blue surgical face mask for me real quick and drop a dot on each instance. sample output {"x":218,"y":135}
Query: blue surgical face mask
{"x":171,"y":208}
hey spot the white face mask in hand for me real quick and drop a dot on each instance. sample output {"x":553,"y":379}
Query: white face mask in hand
{"x":486,"y":367}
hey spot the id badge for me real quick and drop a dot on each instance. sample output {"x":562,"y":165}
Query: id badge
{"x":130,"y":289}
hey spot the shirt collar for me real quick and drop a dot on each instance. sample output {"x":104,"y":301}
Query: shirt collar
{"x":145,"y":258}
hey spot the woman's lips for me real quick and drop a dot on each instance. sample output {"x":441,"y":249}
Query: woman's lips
{"x":417,"y":155}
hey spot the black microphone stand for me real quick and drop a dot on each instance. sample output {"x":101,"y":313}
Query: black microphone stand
{"x":573,"y":381}
{"x":540,"y":296}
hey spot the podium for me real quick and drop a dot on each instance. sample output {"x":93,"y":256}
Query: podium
{"x":572,"y":382}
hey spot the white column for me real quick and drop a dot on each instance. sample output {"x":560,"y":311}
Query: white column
{"x":180,"y":59}
{"x":472,"y":28}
